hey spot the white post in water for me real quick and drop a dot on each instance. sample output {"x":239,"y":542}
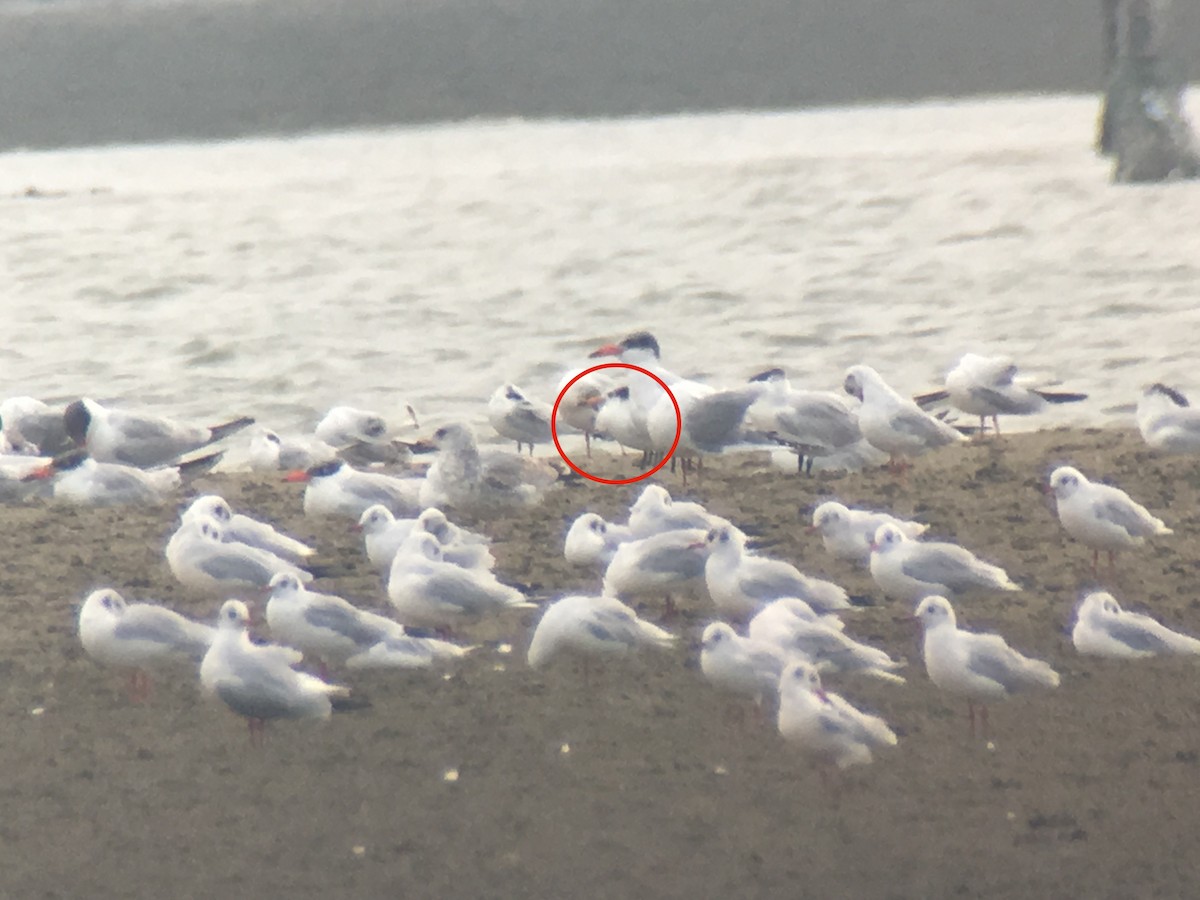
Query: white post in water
{"x":1143,"y":125}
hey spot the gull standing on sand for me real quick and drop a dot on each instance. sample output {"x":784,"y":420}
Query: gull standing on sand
{"x":814,"y":423}
{"x":245,"y":530}
{"x":663,"y":564}
{"x":138,"y":636}
{"x":1101,"y":516}
{"x":340,"y":633}
{"x":200,"y":558}
{"x":592,"y":625}
{"x":518,"y":418}
{"x":987,"y":386}
{"x":895,"y":424}
{"x":428,"y":592}
{"x":741,"y":665}
{"x":908,"y":570}
{"x":1102,"y":628}
{"x":741,"y":583}
{"x":848,"y":533}
{"x":824,"y":725}
{"x":1167,"y":421}
{"x":336,"y":488}
{"x":592,"y":541}
{"x":797,"y":631}
{"x":981,"y":667}
{"x":257,"y":680}
{"x":138,"y":439}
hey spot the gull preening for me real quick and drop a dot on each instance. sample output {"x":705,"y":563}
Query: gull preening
{"x":908,"y":570}
{"x":1101,"y":516}
{"x":988,"y":386}
{"x":1103,"y":628}
{"x":257,"y":680}
{"x":892,"y":423}
{"x":848,"y":533}
{"x":980,"y":667}
{"x":592,"y":541}
{"x":824,"y":725}
{"x":592,"y":626}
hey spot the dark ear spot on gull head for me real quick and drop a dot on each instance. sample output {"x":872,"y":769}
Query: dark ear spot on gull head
{"x":774,"y":374}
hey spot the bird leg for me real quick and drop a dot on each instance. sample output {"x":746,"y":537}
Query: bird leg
{"x":1095,"y":561}
{"x":983,"y":715}
{"x":139,"y":686}
{"x":971,"y":715}
{"x":996,"y":425}
{"x":670,"y":610}
{"x":587,"y":443}
{"x":258,"y":731}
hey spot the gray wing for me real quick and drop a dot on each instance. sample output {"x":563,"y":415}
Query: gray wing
{"x":454,"y":591}
{"x":990,"y":657}
{"x":948,"y":565}
{"x":715,"y":420}
{"x":770,"y":582}
{"x":161,"y":626}
{"x":345,"y":622}
{"x":613,"y":625}
{"x":1134,"y":636}
{"x":236,"y":567}
{"x":261,"y":691}
{"x":1123,"y":514}
{"x":827,"y":423}
{"x":395,"y":496}
{"x":531,"y":420}
{"x":509,"y":471}
{"x":152,"y":440}
{"x":920,"y":425}
{"x":673,"y":561}
{"x":119,"y":484}
{"x":1011,"y":402}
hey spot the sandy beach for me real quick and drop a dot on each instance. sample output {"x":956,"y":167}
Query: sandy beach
{"x":645,"y":782}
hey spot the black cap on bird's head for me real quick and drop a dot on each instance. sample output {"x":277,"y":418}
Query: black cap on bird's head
{"x":773,"y":374}
{"x":1169,"y":392}
{"x":76,"y":421}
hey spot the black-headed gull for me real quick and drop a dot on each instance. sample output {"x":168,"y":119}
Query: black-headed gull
{"x":384,"y":535}
{"x":138,"y":439}
{"x":741,"y":583}
{"x":138,"y":636}
{"x":1101,"y":516}
{"x":257,"y":680}
{"x":336,"y":488}
{"x":741,"y":665}
{"x":200,"y":558}
{"x":519,"y":418}
{"x":987,"y":386}
{"x":981,"y":667}
{"x":466,"y":479}
{"x":824,"y":725}
{"x":593,"y":626}
{"x":1103,"y":628}
{"x":1167,"y":421}
{"x":426,"y":591}
{"x":663,"y":564}
{"x":77,"y":478}
{"x":908,"y":570}
{"x":245,"y":530}
{"x":592,"y":541}
{"x":340,"y":633}
{"x":892,"y":423}
{"x":848,"y":533}
{"x":798,"y":631}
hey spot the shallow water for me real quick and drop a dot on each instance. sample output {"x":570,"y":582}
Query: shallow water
{"x":279,"y":277}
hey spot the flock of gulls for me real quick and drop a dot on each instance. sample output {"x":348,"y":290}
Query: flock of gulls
{"x":777,"y":634}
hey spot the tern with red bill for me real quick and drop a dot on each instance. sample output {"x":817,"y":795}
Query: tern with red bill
{"x":336,"y":488}
{"x":77,"y":478}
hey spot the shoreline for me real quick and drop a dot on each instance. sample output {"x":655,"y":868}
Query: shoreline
{"x":1085,"y":790}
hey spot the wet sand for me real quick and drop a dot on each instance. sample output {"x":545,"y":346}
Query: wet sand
{"x":642,"y":784}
